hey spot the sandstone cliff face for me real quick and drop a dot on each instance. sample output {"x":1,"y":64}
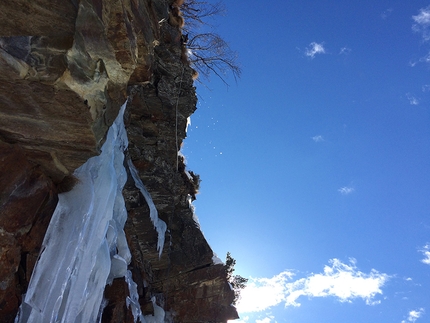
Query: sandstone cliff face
{"x":66,"y":66}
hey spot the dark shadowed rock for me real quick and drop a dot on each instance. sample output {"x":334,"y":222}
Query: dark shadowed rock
{"x":27,"y":201}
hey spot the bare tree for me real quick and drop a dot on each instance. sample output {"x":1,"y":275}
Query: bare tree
{"x":196,"y":12}
{"x":208,"y":52}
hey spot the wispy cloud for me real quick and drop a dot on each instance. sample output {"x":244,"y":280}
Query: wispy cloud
{"x":412,"y":63}
{"x":314,"y":49}
{"x":426,"y":88}
{"x":424,"y":59}
{"x":426,"y":253}
{"x":268,"y":319}
{"x":414,"y":315}
{"x":412,"y":99}
{"x":422,"y":23}
{"x":339,"y":280}
{"x":344,"y":50}
{"x":346,"y":190}
{"x":386,"y":13}
{"x":318,"y":138}
{"x":241,"y":320}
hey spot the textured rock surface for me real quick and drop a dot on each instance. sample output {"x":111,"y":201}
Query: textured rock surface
{"x":27,"y":201}
{"x":65,"y":69}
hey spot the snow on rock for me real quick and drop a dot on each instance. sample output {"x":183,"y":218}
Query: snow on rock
{"x":188,"y":124}
{"x":193,"y":209}
{"x":159,"y":313}
{"x":216,"y":260}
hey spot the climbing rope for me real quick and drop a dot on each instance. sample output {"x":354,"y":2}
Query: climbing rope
{"x":176,"y":119}
{"x":175,"y":188}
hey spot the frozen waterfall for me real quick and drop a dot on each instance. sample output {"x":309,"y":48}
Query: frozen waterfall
{"x":85,"y":246}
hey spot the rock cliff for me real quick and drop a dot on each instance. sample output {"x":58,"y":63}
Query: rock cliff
{"x":66,"y":67}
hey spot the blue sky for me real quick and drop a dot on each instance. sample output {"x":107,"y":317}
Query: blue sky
{"x":315,"y":165}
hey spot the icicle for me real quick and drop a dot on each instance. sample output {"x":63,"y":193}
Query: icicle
{"x":101,"y":309}
{"x":133,"y":303}
{"x":133,"y":300}
{"x":159,"y":224}
{"x":216,"y":260}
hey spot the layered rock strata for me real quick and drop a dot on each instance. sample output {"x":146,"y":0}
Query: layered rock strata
{"x":65,"y":69}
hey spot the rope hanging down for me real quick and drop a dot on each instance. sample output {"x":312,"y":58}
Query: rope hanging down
{"x":176,"y":120}
{"x":177,"y":169}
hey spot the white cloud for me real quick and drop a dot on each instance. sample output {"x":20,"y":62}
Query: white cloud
{"x":426,"y":253}
{"x":414,"y":315}
{"x":263,"y":293}
{"x":422,"y":23}
{"x":412,"y":99}
{"x":342,"y":281}
{"x":313,"y":49}
{"x":423,"y":18}
{"x":318,"y":138}
{"x":346,"y":190}
{"x":426,"y":88}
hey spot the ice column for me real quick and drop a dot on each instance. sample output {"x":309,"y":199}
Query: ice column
{"x":132,"y":301}
{"x":84,"y":247}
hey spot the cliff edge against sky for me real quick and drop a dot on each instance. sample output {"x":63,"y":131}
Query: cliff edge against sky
{"x":66,"y":67}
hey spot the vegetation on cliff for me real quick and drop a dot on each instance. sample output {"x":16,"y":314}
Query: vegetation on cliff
{"x":237,"y":282}
{"x":208,"y":51}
